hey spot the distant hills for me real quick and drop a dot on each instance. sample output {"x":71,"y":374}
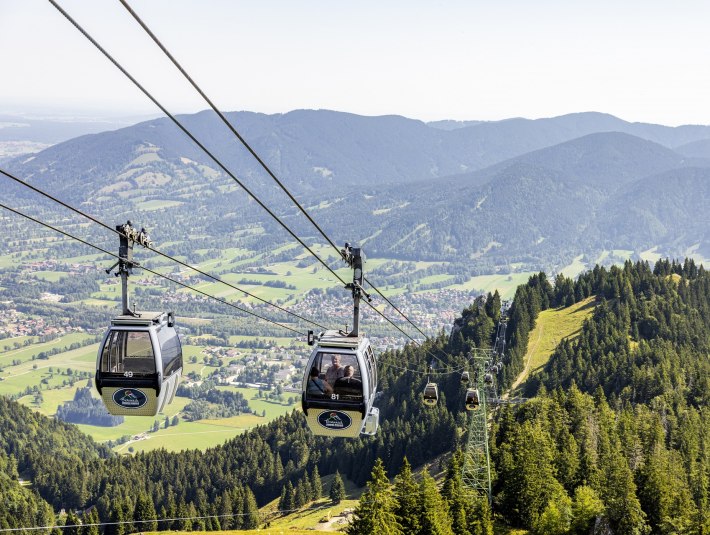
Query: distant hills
{"x":537,"y":192}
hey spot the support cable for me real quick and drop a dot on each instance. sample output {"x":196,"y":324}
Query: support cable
{"x":207,"y":151}
{"x":112,"y":229}
{"x":250,"y":149}
{"x":156,"y":251}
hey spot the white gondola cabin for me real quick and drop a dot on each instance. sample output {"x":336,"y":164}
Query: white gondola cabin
{"x":339,"y":386}
{"x":139,"y":364}
{"x":473,"y":399}
{"x":431,"y":394}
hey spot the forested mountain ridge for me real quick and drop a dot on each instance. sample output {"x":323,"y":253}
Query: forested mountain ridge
{"x":622,"y":409}
{"x":619,"y":438}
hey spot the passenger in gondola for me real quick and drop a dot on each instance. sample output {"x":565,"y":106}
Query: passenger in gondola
{"x":347,"y":384}
{"x":335,"y":371}
{"x":316,"y":385}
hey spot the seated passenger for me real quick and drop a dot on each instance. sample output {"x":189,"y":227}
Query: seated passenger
{"x":316,"y":385}
{"x":347,"y":384}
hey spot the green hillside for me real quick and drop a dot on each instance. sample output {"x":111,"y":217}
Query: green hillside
{"x":615,"y":434}
{"x":551,"y":327}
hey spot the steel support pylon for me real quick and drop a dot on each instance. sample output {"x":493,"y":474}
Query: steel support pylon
{"x":476,"y":473}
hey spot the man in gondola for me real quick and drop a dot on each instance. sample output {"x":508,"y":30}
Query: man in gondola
{"x":347,"y":384}
{"x":335,"y":371}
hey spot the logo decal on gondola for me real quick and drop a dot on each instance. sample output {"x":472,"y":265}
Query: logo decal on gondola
{"x":335,"y":420}
{"x":130,"y":398}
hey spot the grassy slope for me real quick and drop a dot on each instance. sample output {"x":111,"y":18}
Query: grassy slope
{"x":551,"y":327}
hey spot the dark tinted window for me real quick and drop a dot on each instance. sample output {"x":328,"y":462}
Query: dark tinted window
{"x":170,"y":350}
{"x":128,"y":351}
{"x":339,"y":377}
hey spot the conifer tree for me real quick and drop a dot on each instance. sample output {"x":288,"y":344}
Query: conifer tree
{"x":337,"y":489}
{"x":435,"y":518}
{"x":480,"y":519}
{"x":144,"y":514}
{"x":224,"y":510}
{"x":183,"y":523}
{"x":286,"y":501}
{"x":375,"y":514}
{"x":586,"y":507}
{"x":406,"y":490}
{"x":90,"y":520}
{"x":316,"y":484}
{"x":556,"y":518}
{"x":73,"y":524}
{"x":250,"y":520}
{"x":198,"y":524}
{"x":299,"y":496}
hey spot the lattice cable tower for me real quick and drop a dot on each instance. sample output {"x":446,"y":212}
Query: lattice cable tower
{"x":476,"y":472}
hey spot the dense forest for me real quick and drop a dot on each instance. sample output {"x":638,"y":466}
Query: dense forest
{"x":617,"y":437}
{"x":615,"y":440}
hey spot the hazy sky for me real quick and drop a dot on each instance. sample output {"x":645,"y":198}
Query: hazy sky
{"x":470,"y":59}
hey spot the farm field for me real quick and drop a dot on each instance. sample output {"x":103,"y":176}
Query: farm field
{"x":506,"y":284}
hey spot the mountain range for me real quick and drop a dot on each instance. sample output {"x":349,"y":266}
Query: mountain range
{"x":536,"y":192}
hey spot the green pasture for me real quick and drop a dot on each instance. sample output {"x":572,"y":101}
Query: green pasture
{"x":201,"y":434}
{"x":273,"y":409}
{"x":575,"y":268}
{"x":98,"y":259}
{"x":51,"y":276}
{"x":192,"y":321}
{"x":553,"y":326}
{"x":432,"y":279}
{"x":185,"y":436}
{"x":506,"y":284}
{"x":99,"y":303}
{"x":157,"y":204}
{"x":622,"y":254}
{"x":52,"y":399}
{"x":29,"y":378}
{"x":10,"y":260}
{"x":31,"y":372}
{"x":651,"y":255}
{"x":603,"y":256}
{"x":10,"y":342}
{"x":309,"y":518}
{"x":135,"y":425}
{"x":283,"y":341}
{"x":25,"y":353}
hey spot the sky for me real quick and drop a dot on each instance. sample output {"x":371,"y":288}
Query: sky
{"x":639,"y":60}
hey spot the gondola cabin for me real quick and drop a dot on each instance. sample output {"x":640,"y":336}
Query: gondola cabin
{"x":339,"y":386}
{"x":139,"y":364}
{"x":431,"y":394}
{"x":473,"y":399}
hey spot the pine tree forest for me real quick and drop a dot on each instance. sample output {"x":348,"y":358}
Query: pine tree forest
{"x":614,"y":437}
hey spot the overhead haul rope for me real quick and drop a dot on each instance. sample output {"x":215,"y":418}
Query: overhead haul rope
{"x":104,"y":225}
{"x":262,"y":516}
{"x":217,"y":161}
{"x":150,"y":270}
{"x":150,"y":248}
{"x":251,"y":150}
{"x":209,"y":153}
